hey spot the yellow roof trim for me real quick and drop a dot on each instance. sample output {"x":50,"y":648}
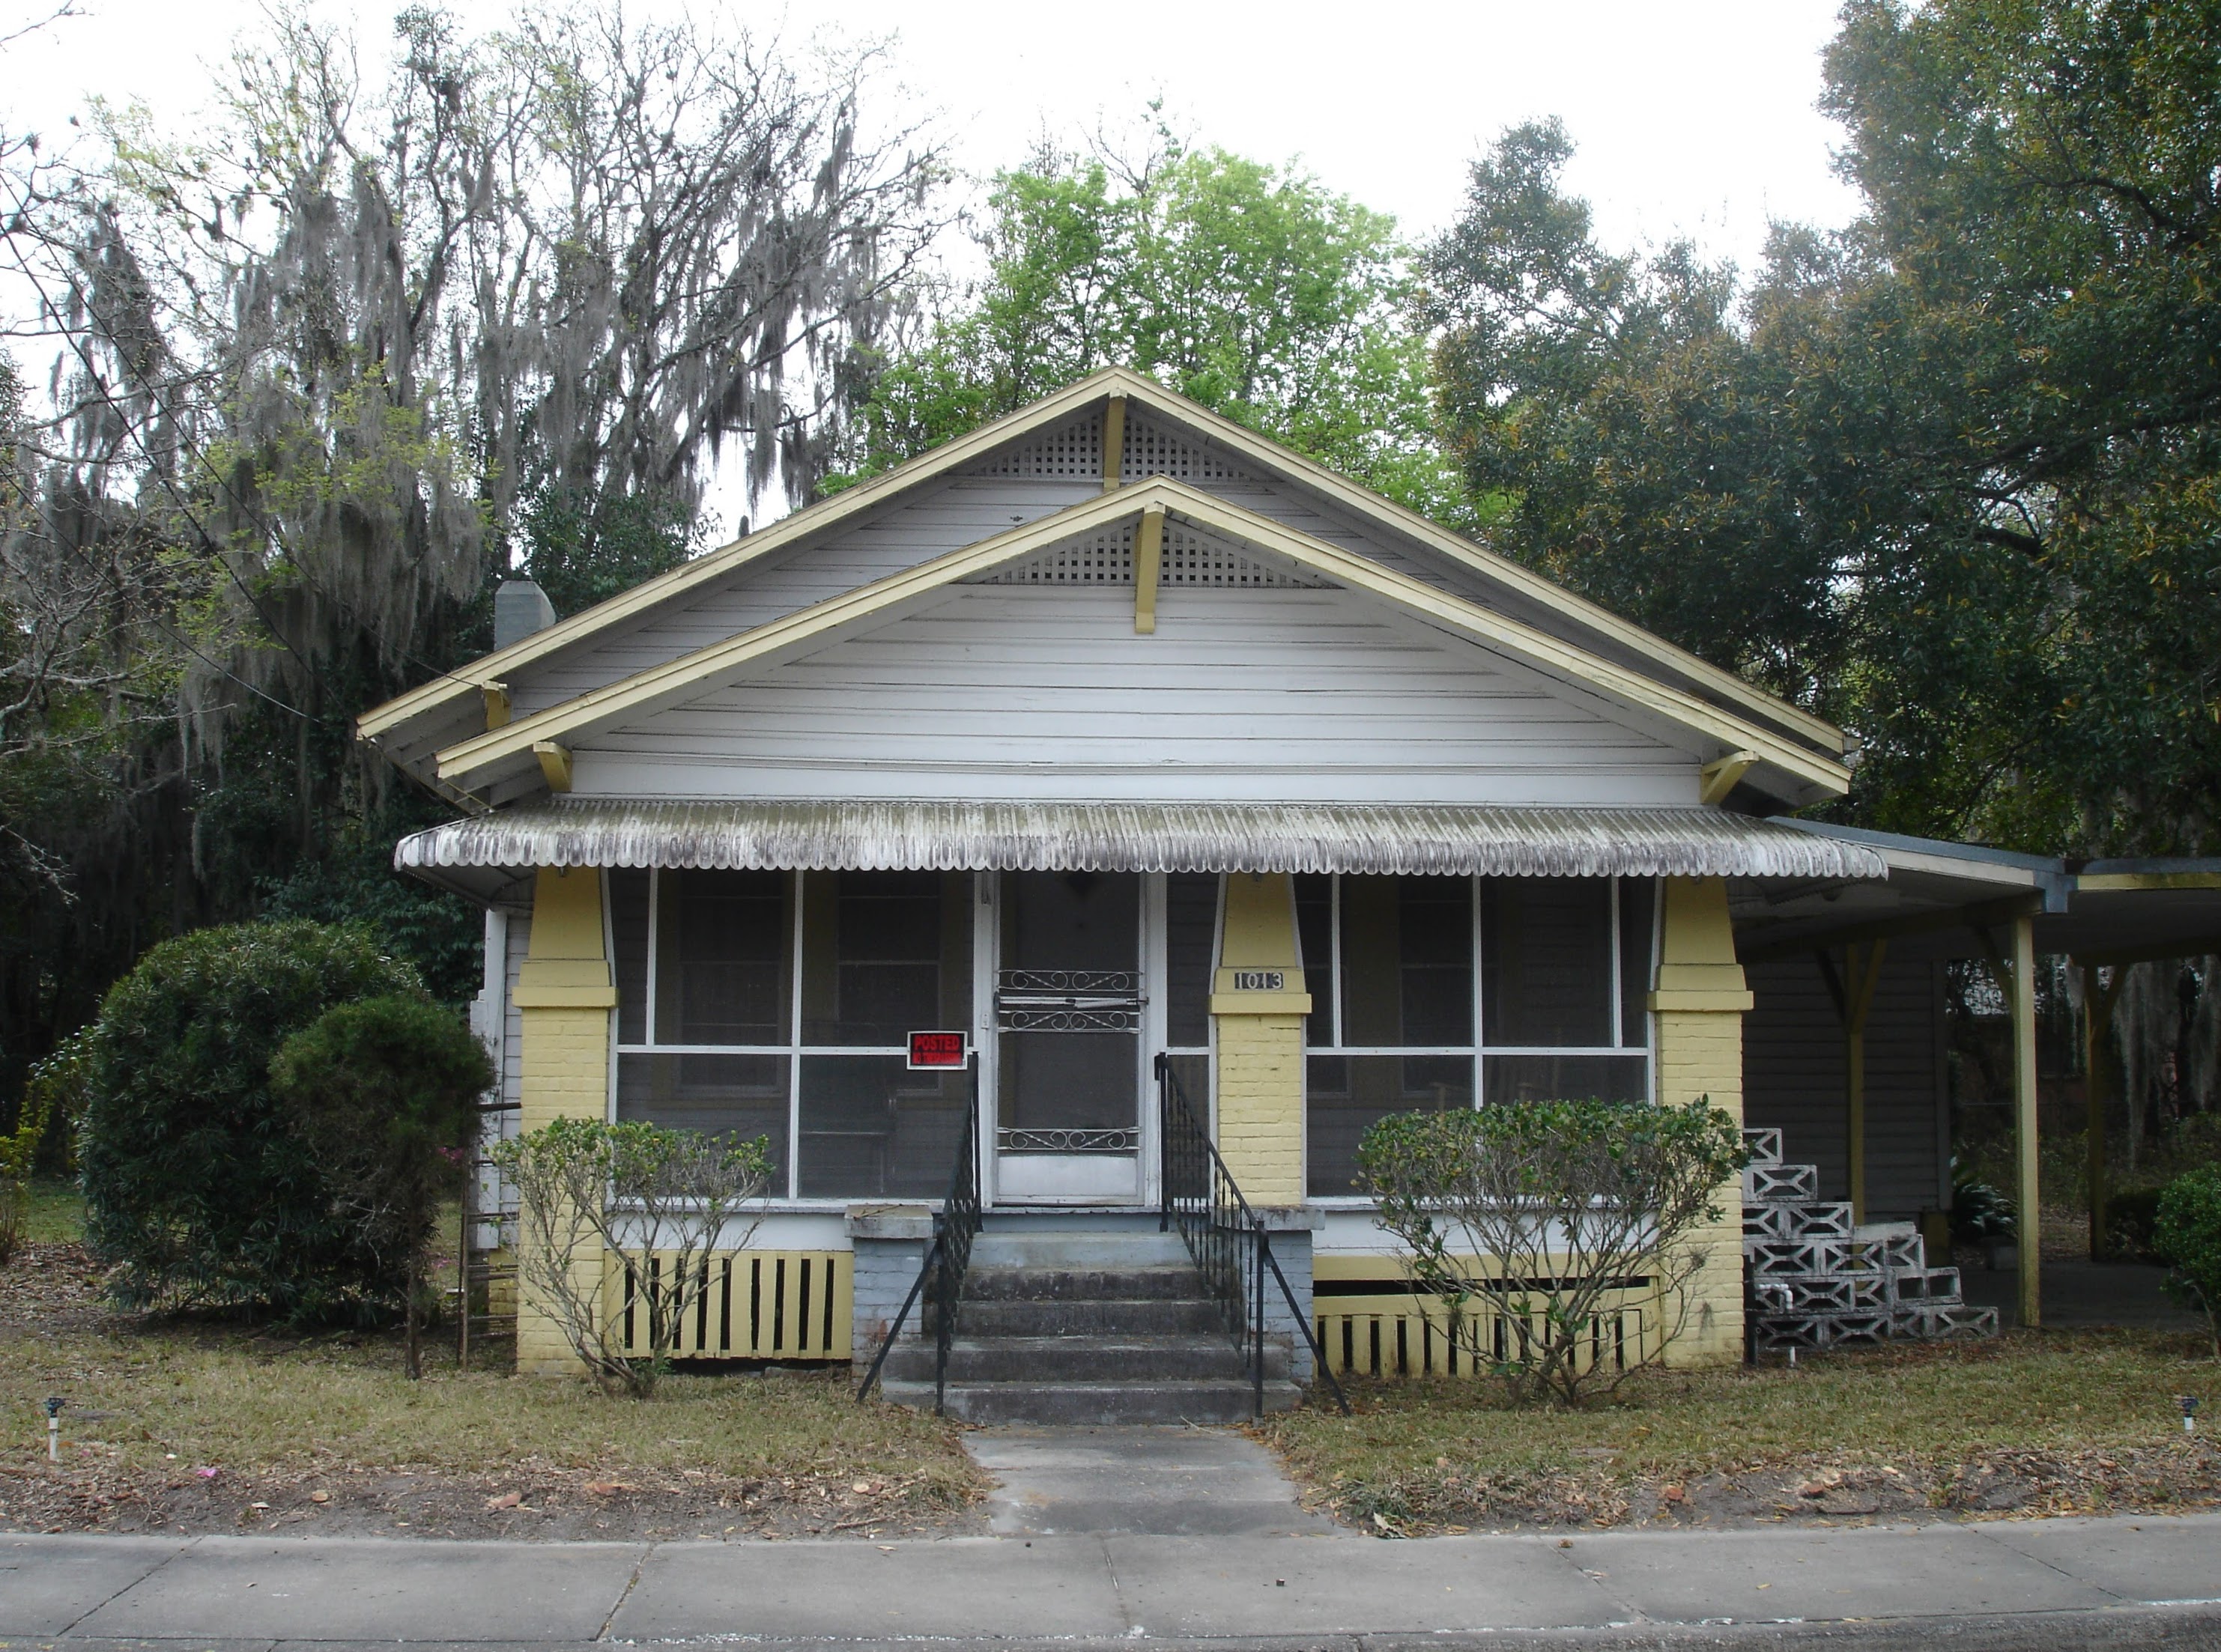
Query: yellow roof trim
{"x":492,"y":670}
{"x":648,"y":691}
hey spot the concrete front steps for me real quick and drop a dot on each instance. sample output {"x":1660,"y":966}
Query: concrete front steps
{"x":1061,"y":1325}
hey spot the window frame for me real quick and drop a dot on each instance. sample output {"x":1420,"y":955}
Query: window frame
{"x":794,"y":1050}
{"x":1480,"y":1052}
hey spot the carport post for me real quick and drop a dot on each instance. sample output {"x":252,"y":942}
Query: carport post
{"x":2021,"y":984}
{"x":2097,"y":1021}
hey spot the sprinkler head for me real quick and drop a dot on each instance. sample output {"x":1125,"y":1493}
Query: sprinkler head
{"x":54,"y":1403}
{"x":2188,"y":1402}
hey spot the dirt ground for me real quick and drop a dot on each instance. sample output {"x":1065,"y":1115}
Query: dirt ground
{"x":113,"y":1477}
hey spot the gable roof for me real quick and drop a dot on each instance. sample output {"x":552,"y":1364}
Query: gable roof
{"x":408,"y":724}
{"x":500,"y":764}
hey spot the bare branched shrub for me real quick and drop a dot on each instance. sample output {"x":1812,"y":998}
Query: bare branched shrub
{"x":656,"y":1201}
{"x":1538,"y":1217}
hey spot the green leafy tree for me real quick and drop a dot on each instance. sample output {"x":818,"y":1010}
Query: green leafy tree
{"x":199,"y":1193}
{"x":1253,"y":290}
{"x":1948,"y":477}
{"x":385,"y":1093}
{"x":1523,"y":1224}
{"x":2186,"y":1234}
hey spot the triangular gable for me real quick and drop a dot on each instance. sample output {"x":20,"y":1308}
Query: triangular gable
{"x":504,"y":762}
{"x":1068,"y":434}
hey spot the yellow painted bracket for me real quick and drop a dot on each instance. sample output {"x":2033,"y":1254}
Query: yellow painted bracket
{"x":497,"y":704}
{"x":554,"y":764}
{"x":1114,"y":442}
{"x":1148,"y":564}
{"x":1718,"y":778}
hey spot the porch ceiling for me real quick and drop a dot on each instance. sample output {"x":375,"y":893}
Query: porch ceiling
{"x":481,"y":857}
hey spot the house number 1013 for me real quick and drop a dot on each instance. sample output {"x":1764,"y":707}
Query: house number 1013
{"x":1261,"y":981}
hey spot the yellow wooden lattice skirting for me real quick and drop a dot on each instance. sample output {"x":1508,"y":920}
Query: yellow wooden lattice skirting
{"x":1391,"y":1332}
{"x":787,"y":1304}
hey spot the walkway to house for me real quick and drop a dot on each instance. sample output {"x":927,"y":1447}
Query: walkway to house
{"x":1166,"y":1482}
{"x":2123,"y":1581}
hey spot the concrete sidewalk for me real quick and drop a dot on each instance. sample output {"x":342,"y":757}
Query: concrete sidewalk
{"x":2117,"y":1581}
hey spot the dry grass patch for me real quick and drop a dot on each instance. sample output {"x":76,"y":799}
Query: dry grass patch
{"x":224,"y":1427}
{"x":2054,"y":1422}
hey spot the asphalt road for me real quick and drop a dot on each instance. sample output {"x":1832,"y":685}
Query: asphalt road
{"x":2117,"y":1582}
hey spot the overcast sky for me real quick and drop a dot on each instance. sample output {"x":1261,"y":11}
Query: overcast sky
{"x":1693,"y":117}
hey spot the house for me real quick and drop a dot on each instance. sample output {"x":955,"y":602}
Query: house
{"x":1188,"y":780}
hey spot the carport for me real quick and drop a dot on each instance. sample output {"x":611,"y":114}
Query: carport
{"x":1844,"y":1045}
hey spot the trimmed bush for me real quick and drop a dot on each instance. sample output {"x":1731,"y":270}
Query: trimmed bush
{"x":385,"y":1092}
{"x":199,"y":1193}
{"x":2186,"y":1233}
{"x":1534,"y":1215}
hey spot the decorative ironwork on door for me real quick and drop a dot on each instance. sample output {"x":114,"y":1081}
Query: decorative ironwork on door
{"x":1069,"y":1000}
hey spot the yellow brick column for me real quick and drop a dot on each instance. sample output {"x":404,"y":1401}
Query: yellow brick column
{"x":564,"y":993}
{"x":1259,"y":1001}
{"x":1698,"y":1003}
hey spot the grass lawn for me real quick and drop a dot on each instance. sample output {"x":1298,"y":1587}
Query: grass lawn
{"x":2029,"y":1422}
{"x":221,"y":1427}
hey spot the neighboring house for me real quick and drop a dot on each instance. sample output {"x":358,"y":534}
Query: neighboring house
{"x":1109,"y":731}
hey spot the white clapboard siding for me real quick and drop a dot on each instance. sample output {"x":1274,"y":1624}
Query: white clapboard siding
{"x":1046,"y":691}
{"x":947,"y":518}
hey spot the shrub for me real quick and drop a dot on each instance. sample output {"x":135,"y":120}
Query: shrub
{"x":198,"y":1191}
{"x":2131,"y":1218}
{"x":1980,"y":1214}
{"x":659,"y":1199}
{"x":385,"y":1093}
{"x":2186,"y":1233}
{"x":1544,"y":1211}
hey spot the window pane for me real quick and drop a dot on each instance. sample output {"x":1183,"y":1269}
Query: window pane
{"x":1347,"y":1094}
{"x":1547,"y":974}
{"x":1315,"y":933}
{"x":1565,"y":1078}
{"x":734,"y":1095}
{"x":1191,"y":929}
{"x":722,"y":954}
{"x":1635,"y":895}
{"x":885,"y":955}
{"x":871,"y":1128}
{"x":628,"y":934}
{"x":1407,"y":961}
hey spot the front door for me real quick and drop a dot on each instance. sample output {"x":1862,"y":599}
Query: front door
{"x":1068,"y":1011}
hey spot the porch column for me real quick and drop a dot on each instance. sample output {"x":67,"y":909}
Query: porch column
{"x":2029,"y":1213}
{"x":1259,"y":1002}
{"x":1699,"y":1006}
{"x":564,"y":993}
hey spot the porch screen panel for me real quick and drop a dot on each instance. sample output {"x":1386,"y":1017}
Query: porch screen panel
{"x":1396,"y":1033}
{"x":738,"y":1096}
{"x":722,"y":958}
{"x":1430,"y":993}
{"x":883,"y":954}
{"x":628,"y":895}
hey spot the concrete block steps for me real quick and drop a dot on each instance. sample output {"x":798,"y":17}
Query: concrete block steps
{"x":1815,"y":1280}
{"x":1087,"y":1328}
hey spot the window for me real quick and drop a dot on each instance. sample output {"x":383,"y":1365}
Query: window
{"x":778,"y":1004}
{"x":1431,"y":992}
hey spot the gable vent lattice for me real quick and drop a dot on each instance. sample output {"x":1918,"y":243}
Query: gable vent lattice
{"x":1107,"y":558}
{"x":1072,"y":451}
{"x":1153,"y":450}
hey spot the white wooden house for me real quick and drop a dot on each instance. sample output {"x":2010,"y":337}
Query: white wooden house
{"x":1110,"y":730}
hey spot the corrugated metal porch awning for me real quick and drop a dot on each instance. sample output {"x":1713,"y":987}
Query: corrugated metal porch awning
{"x":1107,"y":837}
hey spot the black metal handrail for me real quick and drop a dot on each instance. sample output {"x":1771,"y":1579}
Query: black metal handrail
{"x":1228,"y":1242}
{"x":946,"y":1259}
